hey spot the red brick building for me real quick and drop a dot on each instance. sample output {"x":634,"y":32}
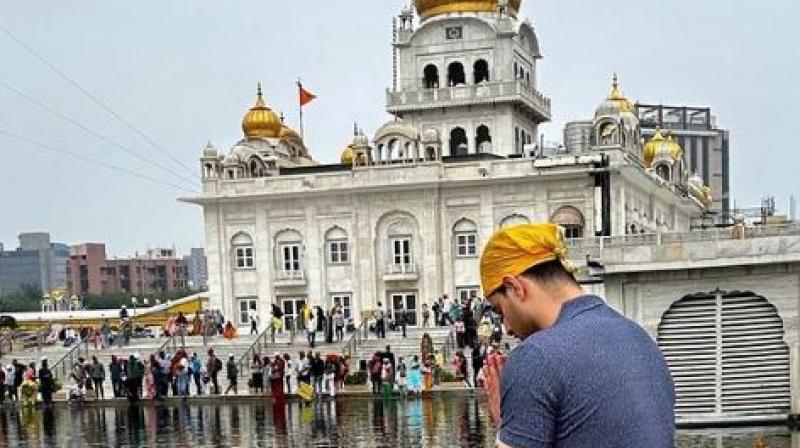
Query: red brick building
{"x":89,"y":271}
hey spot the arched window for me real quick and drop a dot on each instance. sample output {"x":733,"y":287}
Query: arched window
{"x":431,"y":76}
{"x":337,"y":245}
{"x":430,"y":153}
{"x":455,"y":74}
{"x":663,"y":172}
{"x":465,"y":239}
{"x":458,"y":142}
{"x":514,"y":220}
{"x":481,"y":71}
{"x":243,"y":252}
{"x":483,"y":139}
{"x":571,"y":220}
{"x":516,"y":71}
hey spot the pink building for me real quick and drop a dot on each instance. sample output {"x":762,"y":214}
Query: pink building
{"x":89,"y":271}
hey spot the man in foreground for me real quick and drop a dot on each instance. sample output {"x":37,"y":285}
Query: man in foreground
{"x":583,"y":375}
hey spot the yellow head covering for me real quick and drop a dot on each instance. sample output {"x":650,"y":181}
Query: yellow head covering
{"x":514,"y":250}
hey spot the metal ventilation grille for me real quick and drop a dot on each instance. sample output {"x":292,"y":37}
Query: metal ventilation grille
{"x":726,"y":354}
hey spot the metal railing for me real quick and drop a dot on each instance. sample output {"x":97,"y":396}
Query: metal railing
{"x":64,"y":366}
{"x":263,"y":340}
{"x":171,"y":344}
{"x":351,"y":346}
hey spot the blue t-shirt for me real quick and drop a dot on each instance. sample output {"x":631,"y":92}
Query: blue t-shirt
{"x":595,"y":379}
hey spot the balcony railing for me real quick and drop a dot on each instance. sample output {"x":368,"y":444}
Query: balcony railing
{"x":470,"y":94}
{"x":400,"y":272}
{"x":290,"y":278}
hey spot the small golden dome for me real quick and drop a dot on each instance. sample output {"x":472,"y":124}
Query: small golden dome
{"x":261,"y":121}
{"x":651,"y":147}
{"x":348,"y":155}
{"x":675,"y":149}
{"x":618,"y":98}
{"x":430,"y":8}
{"x":289,"y":133}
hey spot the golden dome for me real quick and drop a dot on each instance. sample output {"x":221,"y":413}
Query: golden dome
{"x":675,"y":149}
{"x":348,"y":155}
{"x":289,"y":133}
{"x":261,"y":121}
{"x":618,"y":98}
{"x":430,"y":8}
{"x":651,"y":147}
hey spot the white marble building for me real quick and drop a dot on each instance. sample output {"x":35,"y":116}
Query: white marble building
{"x":401,"y":220}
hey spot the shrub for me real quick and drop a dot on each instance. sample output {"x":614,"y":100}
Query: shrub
{"x":450,"y":377}
{"x":356,"y":378}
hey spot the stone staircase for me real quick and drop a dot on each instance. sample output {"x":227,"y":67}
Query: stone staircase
{"x":402,"y":347}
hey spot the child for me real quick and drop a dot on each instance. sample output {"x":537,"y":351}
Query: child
{"x":402,"y":376}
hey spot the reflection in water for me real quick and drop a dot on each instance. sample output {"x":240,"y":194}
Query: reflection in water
{"x":437,"y":422}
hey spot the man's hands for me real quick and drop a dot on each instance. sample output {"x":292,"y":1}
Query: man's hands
{"x":493,"y":374}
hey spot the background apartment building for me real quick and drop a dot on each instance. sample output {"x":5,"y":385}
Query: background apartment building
{"x":90,"y":271}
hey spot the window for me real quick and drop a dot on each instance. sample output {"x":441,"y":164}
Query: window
{"x":466,"y":239}
{"x":458,"y":142}
{"x":481,"y":71}
{"x":401,"y":250}
{"x":242,"y":251}
{"x":338,"y":250}
{"x":248,"y":307}
{"x":455,"y":74}
{"x":431,"y":76}
{"x":346,"y":302}
{"x":465,"y":292}
{"x":290,"y":257}
{"x":465,"y":244}
{"x":244,"y":257}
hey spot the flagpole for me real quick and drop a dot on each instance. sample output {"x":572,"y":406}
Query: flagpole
{"x":299,"y":90}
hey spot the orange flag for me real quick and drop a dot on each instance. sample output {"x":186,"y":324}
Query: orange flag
{"x":305,"y":96}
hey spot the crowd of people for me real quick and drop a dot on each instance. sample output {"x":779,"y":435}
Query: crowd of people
{"x":310,"y":321}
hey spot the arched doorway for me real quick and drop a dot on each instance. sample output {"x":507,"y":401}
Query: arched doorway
{"x":458,"y":142}
{"x":483,"y":139}
{"x":431,"y":76}
{"x":455,"y":74}
{"x":480,"y":71}
{"x":727,"y":354}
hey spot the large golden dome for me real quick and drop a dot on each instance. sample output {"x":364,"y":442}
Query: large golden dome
{"x":261,"y":121}
{"x":430,"y":8}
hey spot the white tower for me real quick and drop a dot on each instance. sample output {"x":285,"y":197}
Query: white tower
{"x":468,"y":71}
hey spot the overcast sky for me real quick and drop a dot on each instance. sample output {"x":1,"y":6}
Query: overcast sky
{"x":184,"y":72}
